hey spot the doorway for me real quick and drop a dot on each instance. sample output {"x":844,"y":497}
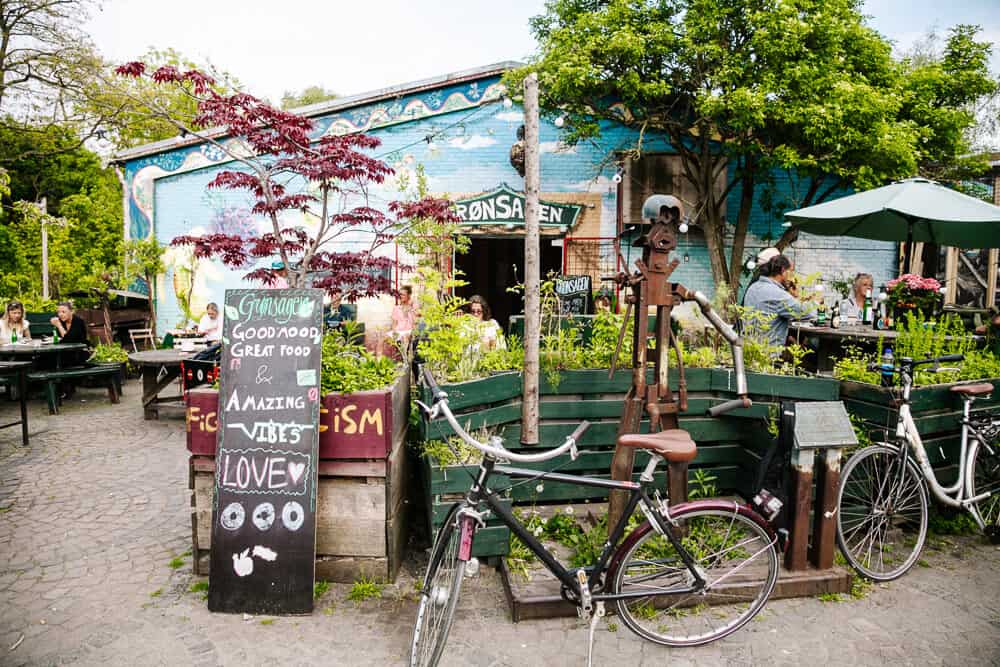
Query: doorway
{"x":491,"y":265}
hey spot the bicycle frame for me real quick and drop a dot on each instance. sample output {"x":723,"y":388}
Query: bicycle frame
{"x":906,"y":432}
{"x":638,"y":497}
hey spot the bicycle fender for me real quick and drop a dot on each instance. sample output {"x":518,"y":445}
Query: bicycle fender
{"x":677,"y":511}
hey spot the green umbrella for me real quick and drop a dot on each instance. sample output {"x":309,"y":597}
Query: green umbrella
{"x":916,"y":209}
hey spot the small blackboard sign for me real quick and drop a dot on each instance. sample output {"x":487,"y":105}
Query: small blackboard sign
{"x":574,"y":294}
{"x":264,"y":511}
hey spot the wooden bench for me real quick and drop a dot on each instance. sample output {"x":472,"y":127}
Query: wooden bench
{"x":110,"y":373}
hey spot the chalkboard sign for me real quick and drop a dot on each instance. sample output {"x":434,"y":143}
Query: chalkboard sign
{"x":574,"y":294}
{"x":264,"y":512}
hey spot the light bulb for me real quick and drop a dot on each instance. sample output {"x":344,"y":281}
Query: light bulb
{"x":683,"y":228}
{"x":687,"y":257}
{"x":751,"y":264}
{"x":617,"y":178}
{"x":882,"y":296}
{"x":507,"y":102}
{"x":560,"y":121}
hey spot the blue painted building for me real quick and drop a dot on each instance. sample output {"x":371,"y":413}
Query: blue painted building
{"x":460,"y":129}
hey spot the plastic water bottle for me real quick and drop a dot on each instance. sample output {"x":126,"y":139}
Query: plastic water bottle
{"x":886,"y":367}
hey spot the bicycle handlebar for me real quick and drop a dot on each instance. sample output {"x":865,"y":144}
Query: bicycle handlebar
{"x":440,"y":404}
{"x":722,"y":408}
{"x":906,"y":362}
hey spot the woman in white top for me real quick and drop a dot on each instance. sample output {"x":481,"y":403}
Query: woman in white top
{"x":210,"y":325}
{"x":13,"y":324}
{"x":854,"y":304}
{"x":490,"y":334}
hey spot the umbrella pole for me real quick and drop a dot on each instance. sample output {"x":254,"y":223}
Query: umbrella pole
{"x":907,"y":249}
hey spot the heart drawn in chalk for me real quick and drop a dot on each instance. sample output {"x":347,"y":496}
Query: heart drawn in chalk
{"x":295,"y":471}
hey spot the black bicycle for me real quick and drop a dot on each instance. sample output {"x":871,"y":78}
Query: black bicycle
{"x":687,"y":575}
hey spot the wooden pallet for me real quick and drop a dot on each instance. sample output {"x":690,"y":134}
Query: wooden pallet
{"x":539,"y":597}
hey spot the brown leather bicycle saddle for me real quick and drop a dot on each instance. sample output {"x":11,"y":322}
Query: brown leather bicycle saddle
{"x":978,"y":389}
{"x":673,"y":444}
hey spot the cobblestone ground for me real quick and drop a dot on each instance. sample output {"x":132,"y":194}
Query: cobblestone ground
{"x":95,"y":569}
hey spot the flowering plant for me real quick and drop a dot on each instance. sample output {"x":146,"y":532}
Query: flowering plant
{"x":912,"y":292}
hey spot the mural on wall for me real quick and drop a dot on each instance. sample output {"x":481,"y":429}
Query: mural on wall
{"x":461,"y":136}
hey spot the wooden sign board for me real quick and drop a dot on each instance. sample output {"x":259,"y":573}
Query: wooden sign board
{"x":574,"y":294}
{"x":264,"y":511}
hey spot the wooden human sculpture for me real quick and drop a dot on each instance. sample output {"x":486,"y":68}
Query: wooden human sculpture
{"x":649,"y":286}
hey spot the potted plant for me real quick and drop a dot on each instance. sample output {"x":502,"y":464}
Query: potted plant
{"x":912,"y":294}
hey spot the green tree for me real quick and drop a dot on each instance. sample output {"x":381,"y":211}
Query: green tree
{"x":742,"y":89}
{"x":309,"y":95}
{"x":83,"y":213}
{"x":144,"y":258}
{"x":46,"y":61}
{"x":124,"y":103}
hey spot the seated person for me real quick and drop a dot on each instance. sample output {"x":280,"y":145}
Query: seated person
{"x":854,"y":304}
{"x":490,"y":334}
{"x":13,"y":324}
{"x":70,"y":327}
{"x":602,"y":302}
{"x":776,"y":298}
{"x":337,"y":311}
{"x":210,"y":325}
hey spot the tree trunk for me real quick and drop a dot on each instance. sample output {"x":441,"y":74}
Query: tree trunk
{"x":532,"y":267}
{"x":742,"y":226}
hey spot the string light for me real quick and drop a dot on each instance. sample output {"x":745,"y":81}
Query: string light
{"x":617,"y":178}
{"x":560,"y":121}
{"x":751,"y":265}
{"x":683,"y":228}
{"x":507,"y":102}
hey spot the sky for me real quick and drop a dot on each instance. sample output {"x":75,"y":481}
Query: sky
{"x":273,"y":47}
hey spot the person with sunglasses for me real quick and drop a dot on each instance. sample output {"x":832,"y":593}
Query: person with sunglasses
{"x":13,"y":325}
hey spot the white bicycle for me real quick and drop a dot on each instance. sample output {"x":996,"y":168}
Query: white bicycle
{"x":882,"y":502}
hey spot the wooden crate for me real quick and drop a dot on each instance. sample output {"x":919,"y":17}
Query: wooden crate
{"x":360,"y":509}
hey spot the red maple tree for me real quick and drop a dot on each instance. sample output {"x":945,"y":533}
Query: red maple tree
{"x":285,"y":166}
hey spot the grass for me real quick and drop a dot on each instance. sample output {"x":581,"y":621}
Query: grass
{"x":267,"y":621}
{"x":830,"y":597}
{"x":923,"y":563}
{"x":365,"y":588}
{"x":157,"y":593}
{"x":176,"y":562}
{"x":200,"y":587}
{"x":320,"y":588}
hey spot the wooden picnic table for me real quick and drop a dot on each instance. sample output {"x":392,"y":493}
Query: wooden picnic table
{"x":33,"y":352}
{"x":19,"y":370}
{"x":159,"y":369}
{"x":831,"y":341}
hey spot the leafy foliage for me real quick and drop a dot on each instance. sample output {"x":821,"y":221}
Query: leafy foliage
{"x":104,"y":353}
{"x":83,"y":214}
{"x":745,"y":90}
{"x":348,"y":367}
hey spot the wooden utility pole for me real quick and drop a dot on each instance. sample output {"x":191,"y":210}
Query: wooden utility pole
{"x":532,"y":267}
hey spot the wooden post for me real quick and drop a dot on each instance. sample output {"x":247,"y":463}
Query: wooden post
{"x":532,"y":268}
{"x":825,"y":507}
{"x":798,"y":519}
{"x":951,"y":276}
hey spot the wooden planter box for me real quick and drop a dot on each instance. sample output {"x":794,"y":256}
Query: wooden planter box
{"x":352,"y":426}
{"x":936,"y":411}
{"x":728,"y":446}
{"x":360,"y":511}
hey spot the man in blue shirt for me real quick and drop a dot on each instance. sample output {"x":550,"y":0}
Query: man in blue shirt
{"x":774,"y":298}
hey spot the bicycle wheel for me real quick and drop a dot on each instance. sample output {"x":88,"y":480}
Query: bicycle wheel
{"x":882,"y":513}
{"x":439,"y":596}
{"x":984,"y":477}
{"x":735,"y":556}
